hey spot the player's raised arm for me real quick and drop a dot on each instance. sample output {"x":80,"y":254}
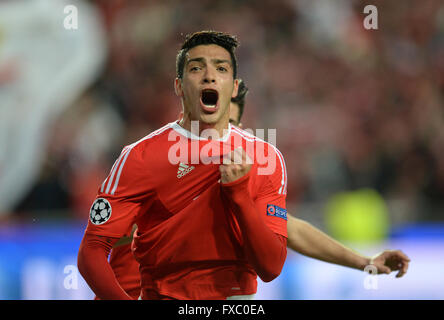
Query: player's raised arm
{"x":264,"y":241}
{"x":120,"y":198}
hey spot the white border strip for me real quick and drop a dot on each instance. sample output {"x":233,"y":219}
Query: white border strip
{"x":190,"y":135}
{"x":113,"y":171}
{"x":131,"y":147}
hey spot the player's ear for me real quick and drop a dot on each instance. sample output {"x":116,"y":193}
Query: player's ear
{"x":178,"y":87}
{"x":235,"y":88}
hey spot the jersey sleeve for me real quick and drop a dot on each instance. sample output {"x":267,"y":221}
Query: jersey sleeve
{"x":271,"y":198}
{"x":122,"y":196}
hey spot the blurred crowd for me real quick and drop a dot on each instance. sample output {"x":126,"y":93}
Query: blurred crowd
{"x":353,"y":108}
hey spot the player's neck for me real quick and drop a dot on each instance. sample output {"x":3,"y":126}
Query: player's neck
{"x":221,"y":127}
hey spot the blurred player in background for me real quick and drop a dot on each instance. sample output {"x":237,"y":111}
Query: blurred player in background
{"x":302,"y":238}
{"x":204,"y":230}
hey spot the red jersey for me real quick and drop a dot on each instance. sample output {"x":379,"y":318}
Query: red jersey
{"x":126,"y":269}
{"x":188,"y":242}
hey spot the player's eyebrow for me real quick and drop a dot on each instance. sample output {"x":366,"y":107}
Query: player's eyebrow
{"x":218,"y":61}
{"x":202,"y":60}
{"x":199,"y":59}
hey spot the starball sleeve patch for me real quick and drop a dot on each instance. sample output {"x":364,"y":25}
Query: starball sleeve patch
{"x":100,"y":211}
{"x":276,"y":211}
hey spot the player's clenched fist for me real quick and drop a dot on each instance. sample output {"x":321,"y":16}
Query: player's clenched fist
{"x":235,"y":165}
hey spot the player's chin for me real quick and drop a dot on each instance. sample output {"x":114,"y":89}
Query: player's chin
{"x":210,"y":119}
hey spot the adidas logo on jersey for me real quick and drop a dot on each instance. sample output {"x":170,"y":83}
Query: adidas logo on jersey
{"x":183,"y":170}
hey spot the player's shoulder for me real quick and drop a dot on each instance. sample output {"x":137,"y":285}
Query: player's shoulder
{"x":270,"y":161}
{"x":135,"y":162}
{"x":249,"y":136}
{"x":154,"y":139}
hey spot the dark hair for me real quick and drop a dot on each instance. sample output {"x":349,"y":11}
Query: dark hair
{"x":240,"y":98}
{"x":221,"y":39}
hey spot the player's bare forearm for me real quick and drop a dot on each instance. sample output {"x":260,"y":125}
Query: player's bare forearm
{"x":312,"y":242}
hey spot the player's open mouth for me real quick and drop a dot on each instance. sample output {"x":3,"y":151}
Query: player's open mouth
{"x":208,"y":100}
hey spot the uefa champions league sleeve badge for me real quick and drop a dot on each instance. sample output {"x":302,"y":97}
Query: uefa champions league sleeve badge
{"x":100,"y":211}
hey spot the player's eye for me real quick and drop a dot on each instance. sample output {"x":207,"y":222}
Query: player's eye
{"x":194,"y":69}
{"x":222,"y":69}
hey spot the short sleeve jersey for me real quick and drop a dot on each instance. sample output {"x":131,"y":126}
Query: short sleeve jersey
{"x":188,"y":242}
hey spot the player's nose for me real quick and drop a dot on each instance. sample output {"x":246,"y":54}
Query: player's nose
{"x":209,"y":76}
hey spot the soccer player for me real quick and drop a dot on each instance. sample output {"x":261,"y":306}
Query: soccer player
{"x":205,"y":229}
{"x":302,"y":238}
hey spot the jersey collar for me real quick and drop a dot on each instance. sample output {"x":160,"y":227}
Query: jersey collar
{"x":190,"y":135}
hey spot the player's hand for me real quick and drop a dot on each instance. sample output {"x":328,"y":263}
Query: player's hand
{"x":391,"y":260}
{"x":235,"y":165}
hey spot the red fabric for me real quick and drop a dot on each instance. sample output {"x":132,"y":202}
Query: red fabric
{"x":126,"y":269}
{"x":265,"y":250}
{"x":94,"y":267}
{"x":187,"y":243}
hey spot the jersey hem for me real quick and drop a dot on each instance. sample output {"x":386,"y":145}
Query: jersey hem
{"x":180,"y":297}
